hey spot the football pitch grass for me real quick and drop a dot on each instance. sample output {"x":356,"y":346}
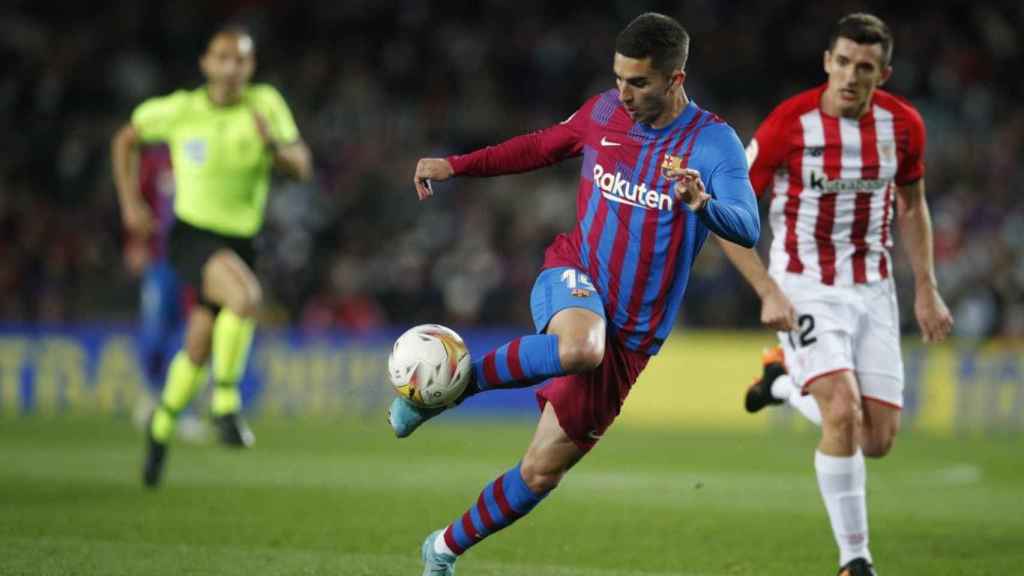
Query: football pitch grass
{"x":320,"y":498}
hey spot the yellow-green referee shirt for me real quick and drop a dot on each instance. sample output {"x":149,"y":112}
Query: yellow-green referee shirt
{"x":221,"y":167}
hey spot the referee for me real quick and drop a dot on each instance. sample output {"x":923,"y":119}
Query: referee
{"x":224,"y":137}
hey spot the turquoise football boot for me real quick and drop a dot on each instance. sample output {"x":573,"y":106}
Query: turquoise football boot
{"x":405,"y":417}
{"x":435,"y":564}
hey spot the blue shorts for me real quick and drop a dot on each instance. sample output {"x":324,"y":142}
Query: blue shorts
{"x":160,"y":304}
{"x":559,"y":288}
{"x":585,"y":403}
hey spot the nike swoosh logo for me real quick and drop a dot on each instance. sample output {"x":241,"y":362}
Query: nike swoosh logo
{"x":607,"y":142}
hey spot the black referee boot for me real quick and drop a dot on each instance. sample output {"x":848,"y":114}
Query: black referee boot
{"x":234,"y":431}
{"x":156,"y":453}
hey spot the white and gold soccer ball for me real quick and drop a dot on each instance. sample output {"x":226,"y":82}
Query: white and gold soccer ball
{"x":429,"y":365}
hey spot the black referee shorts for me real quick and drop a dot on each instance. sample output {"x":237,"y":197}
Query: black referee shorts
{"x":189,"y":247}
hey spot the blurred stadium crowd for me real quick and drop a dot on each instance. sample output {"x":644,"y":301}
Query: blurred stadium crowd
{"x":375,"y":85}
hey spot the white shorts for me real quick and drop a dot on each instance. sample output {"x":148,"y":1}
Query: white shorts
{"x":845,"y":328}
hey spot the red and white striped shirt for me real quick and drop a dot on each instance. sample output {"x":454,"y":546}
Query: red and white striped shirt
{"x":832,"y":184}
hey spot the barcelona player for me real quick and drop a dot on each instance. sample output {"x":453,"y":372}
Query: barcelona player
{"x":160,"y":305}
{"x":658,"y":174}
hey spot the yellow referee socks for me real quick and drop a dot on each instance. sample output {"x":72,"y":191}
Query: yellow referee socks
{"x":183,"y":381}
{"x":232,"y":338}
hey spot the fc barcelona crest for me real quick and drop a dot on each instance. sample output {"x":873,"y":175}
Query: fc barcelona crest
{"x":672,"y":166}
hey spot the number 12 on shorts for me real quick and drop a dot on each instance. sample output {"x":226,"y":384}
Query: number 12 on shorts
{"x":806,"y":322}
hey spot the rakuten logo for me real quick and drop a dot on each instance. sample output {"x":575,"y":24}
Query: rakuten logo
{"x":618,"y":189}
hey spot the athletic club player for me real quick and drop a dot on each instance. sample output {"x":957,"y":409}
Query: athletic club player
{"x":836,"y":158}
{"x":658,"y":174}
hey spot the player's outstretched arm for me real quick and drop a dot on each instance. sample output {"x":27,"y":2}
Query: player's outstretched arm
{"x":513,"y":156}
{"x":528,"y":151}
{"x":916,"y":233}
{"x":124,"y":158}
{"x":777,"y":311}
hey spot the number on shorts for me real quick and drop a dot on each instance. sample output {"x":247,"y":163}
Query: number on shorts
{"x":574,"y":279}
{"x":806,"y":322}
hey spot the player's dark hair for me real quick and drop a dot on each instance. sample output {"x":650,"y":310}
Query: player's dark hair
{"x":864,"y":28}
{"x":658,"y":37}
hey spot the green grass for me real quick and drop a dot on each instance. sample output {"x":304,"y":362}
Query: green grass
{"x":348,"y":499}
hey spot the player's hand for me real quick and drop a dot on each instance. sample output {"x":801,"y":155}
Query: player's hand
{"x":689,"y":188}
{"x":136,"y":256}
{"x":428,"y":169}
{"x":138,"y":219}
{"x":932,"y":315}
{"x":777,"y":312}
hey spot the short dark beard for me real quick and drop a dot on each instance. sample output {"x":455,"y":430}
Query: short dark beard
{"x":656,"y":113}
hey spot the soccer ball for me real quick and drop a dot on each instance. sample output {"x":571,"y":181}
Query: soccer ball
{"x":429,"y":365}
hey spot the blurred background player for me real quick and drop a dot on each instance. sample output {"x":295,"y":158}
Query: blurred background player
{"x":833,"y":156}
{"x":224,"y":138}
{"x":609,"y":291}
{"x":160,"y":314}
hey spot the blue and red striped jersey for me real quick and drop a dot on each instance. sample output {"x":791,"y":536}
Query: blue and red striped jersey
{"x":156,"y":185}
{"x":633,"y":238}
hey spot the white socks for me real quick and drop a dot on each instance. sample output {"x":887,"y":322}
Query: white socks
{"x":783,"y":388}
{"x":841,"y":480}
{"x":441,"y":547}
